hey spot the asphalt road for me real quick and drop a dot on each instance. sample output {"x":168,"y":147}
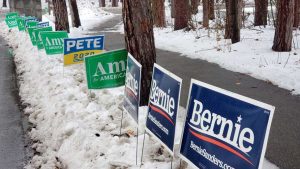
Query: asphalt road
{"x":284,"y":141}
{"x":12,"y":147}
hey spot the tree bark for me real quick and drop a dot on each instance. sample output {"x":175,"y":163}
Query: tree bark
{"x":211,"y":9}
{"x":172,"y":8}
{"x":296,"y":13}
{"x":206,"y":13}
{"x":182,"y":14}
{"x":261,"y":12}
{"x":284,"y":28}
{"x":61,"y":15}
{"x":4,"y":3}
{"x":74,"y":13}
{"x":194,"y":6}
{"x":139,"y":38}
{"x":102,"y":3}
{"x":233,"y":20}
{"x":158,"y":10}
{"x":114,"y":3}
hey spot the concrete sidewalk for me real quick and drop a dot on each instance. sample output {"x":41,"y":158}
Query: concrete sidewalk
{"x":284,"y":141}
{"x":12,"y":151}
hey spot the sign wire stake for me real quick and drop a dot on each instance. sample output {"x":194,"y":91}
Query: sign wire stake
{"x":137,"y":145}
{"x":143,"y":148}
{"x":172,"y":162}
{"x":121,"y":122}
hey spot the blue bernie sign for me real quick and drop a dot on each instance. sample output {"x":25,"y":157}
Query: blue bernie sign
{"x":132,"y":87}
{"x":224,"y":129}
{"x":163,"y":106}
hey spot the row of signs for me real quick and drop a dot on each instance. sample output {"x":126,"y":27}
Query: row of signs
{"x":222,"y":129}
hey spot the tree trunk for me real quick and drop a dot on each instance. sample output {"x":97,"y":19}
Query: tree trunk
{"x":194,"y":6}
{"x":233,"y":20}
{"x":182,"y":14}
{"x":139,"y":38}
{"x":211,"y":9}
{"x":74,"y":14}
{"x":114,"y":3}
{"x":172,"y":8}
{"x":284,"y":28}
{"x":61,"y":15}
{"x":4,"y":3}
{"x":206,"y":13}
{"x":102,"y":3}
{"x":296,"y":13}
{"x":158,"y":10}
{"x":261,"y":12}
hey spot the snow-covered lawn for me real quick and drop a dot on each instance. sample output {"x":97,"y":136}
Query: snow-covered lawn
{"x":77,"y":128}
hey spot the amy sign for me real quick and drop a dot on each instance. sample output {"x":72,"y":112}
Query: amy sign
{"x":163,"y":106}
{"x":21,"y":23}
{"x":132,"y":87}
{"x":224,"y":129}
{"x":12,"y":15}
{"x":106,"y":70}
{"x":38,"y":37}
{"x":75,"y":49}
{"x":11,"y":23}
{"x":53,"y":41}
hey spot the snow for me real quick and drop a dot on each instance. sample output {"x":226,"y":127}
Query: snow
{"x":252,"y":56}
{"x":77,"y":128}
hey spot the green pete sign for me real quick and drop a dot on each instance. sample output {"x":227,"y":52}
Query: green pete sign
{"x":38,"y":38}
{"x":106,"y":70}
{"x":54,"y":41}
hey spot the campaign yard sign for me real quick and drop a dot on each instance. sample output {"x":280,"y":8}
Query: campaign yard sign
{"x":163,"y":106}
{"x":42,"y":24}
{"x":31,"y":21}
{"x":132,"y":87}
{"x":75,"y":49}
{"x":21,"y":23}
{"x":32,"y":35}
{"x":11,"y":15}
{"x":11,"y":23}
{"x":224,"y":129}
{"x":53,"y":41}
{"x":106,"y":70}
{"x":38,"y":37}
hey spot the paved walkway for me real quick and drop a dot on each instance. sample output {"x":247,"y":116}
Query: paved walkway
{"x":12,"y":152}
{"x":284,"y":142}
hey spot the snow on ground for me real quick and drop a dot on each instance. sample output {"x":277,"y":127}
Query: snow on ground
{"x":252,"y":56}
{"x":77,"y":128}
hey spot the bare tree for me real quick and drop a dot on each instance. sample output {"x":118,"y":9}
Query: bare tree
{"x":261,"y":12}
{"x":102,"y":3}
{"x":296,"y":13}
{"x":158,"y":11}
{"x":74,"y":13}
{"x":172,"y":8}
{"x":205,"y":13}
{"x":114,"y":3}
{"x":211,"y":9}
{"x":284,"y":26}
{"x":182,"y":14}
{"x":233,"y":20}
{"x":139,"y":38}
{"x":61,"y":15}
{"x":4,"y":4}
{"x":194,"y":6}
